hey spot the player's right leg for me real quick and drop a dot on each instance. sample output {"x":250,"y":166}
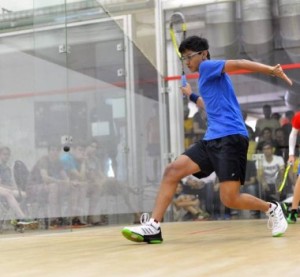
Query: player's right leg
{"x":149,"y":231}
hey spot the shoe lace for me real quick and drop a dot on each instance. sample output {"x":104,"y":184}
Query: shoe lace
{"x":144,"y":219}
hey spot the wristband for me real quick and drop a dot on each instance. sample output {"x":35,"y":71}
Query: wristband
{"x":194,"y":97}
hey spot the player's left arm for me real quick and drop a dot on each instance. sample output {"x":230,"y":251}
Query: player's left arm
{"x":276,"y":70}
{"x":187,"y":90}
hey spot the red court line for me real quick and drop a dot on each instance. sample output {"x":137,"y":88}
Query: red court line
{"x":69,"y":90}
{"x":237,"y":72}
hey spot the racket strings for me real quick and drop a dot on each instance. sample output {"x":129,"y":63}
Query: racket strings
{"x":177,"y":30}
{"x":178,"y":34}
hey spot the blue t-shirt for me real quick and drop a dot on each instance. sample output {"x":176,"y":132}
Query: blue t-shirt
{"x":224,"y":116}
{"x":68,"y":162}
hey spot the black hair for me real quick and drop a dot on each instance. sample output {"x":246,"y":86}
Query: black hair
{"x":267,"y":106}
{"x":194,"y":43}
{"x":289,"y":114}
{"x":267,"y":143}
{"x":266,"y":129}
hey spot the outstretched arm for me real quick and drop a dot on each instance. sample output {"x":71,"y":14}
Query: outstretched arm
{"x":276,"y":71}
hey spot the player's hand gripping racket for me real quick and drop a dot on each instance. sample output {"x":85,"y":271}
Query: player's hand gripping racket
{"x":286,"y":172}
{"x":178,"y":34}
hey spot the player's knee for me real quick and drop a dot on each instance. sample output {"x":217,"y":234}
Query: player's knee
{"x":172,"y":172}
{"x":228,"y":201}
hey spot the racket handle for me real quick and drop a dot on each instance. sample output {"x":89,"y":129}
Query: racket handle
{"x":183,"y":80}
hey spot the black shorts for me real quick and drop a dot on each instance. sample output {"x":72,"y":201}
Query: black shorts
{"x":227,"y":156}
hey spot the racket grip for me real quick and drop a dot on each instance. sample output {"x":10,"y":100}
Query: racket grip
{"x":183,"y":80}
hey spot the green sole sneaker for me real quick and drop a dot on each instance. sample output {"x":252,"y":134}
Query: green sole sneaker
{"x":132,"y":236}
{"x":292,"y":217}
{"x":278,"y":235}
{"x":291,"y":221}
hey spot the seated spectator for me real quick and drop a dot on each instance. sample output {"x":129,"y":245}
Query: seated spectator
{"x":252,"y":144}
{"x":199,"y":124}
{"x":95,"y":176}
{"x":249,"y":128}
{"x":251,"y":185}
{"x":188,"y":129}
{"x":48,"y":184}
{"x":281,"y":149}
{"x":270,"y":173}
{"x":286,"y":125}
{"x":266,"y":137}
{"x":153,"y":144}
{"x":74,"y":165}
{"x":186,"y":206}
{"x":9,"y":193}
{"x":276,"y":116}
{"x":6,"y":178}
{"x":111,"y":186}
{"x":220,"y":212}
{"x":267,"y":121}
{"x":202,"y":187}
{"x":8,"y":196}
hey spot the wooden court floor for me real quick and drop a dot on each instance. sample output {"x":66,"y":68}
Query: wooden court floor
{"x":212,"y":248}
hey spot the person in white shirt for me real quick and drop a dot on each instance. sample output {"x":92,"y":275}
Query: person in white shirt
{"x":271,"y":172}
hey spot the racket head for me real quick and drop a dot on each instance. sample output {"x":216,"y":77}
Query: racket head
{"x":177,"y":30}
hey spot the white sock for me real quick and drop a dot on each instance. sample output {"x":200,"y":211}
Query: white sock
{"x":272,"y":207}
{"x":154,"y":222}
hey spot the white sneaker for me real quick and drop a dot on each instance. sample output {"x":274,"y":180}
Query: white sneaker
{"x":149,"y":232}
{"x":277,"y":221}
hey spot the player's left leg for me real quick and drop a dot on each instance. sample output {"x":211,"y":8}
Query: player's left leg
{"x":231,"y":197}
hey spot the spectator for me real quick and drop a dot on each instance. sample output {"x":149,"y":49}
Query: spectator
{"x":266,"y":137}
{"x":75,"y":167}
{"x":94,"y":175}
{"x":276,"y":116}
{"x":199,"y":124}
{"x":9,"y":193}
{"x":251,"y":185}
{"x":199,"y":187}
{"x":185,"y":204}
{"x":267,"y":121}
{"x":98,"y":185}
{"x":6,"y":178}
{"x":252,"y":144}
{"x":153,"y":144}
{"x":249,"y":128}
{"x":270,"y":172}
{"x":49,"y":184}
{"x":204,"y":189}
{"x":188,"y":128}
{"x":281,"y":148}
